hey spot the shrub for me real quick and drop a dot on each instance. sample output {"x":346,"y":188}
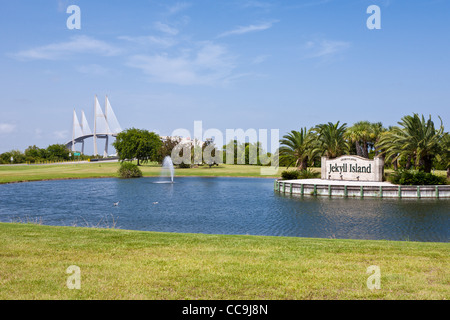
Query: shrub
{"x":303,"y":174}
{"x":415,"y":177}
{"x":129,"y":170}
{"x":308,"y":174}
{"x":290,"y":174}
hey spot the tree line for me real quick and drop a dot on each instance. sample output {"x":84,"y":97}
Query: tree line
{"x":415,"y":142}
{"x":34,"y":154}
{"x":144,"y":146}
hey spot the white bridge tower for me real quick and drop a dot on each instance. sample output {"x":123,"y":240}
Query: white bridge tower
{"x":105,"y":125}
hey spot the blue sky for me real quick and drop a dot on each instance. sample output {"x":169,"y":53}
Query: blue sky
{"x":230,"y":64}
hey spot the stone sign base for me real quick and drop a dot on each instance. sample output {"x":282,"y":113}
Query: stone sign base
{"x":318,"y":187}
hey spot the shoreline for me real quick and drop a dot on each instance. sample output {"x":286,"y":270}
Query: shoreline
{"x":112,"y":177}
{"x":226,"y":235}
{"x":115,"y":228}
{"x":19,"y":174}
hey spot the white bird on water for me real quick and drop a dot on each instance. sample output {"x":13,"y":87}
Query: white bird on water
{"x":116,"y":203}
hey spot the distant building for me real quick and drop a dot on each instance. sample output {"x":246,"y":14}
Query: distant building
{"x":187,"y":141}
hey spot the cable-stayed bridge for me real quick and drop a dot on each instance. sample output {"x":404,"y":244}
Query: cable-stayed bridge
{"x":105,"y":126}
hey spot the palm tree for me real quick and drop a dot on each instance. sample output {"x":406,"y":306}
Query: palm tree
{"x":360,"y":135}
{"x":296,"y":148}
{"x":384,"y":139}
{"x":364,"y":135}
{"x":331,"y":140}
{"x":416,"y":140}
{"x":377,"y":130}
{"x":444,"y":155}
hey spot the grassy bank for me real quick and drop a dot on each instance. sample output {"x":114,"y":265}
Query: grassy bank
{"x":119,"y":264}
{"x":107,"y":169}
{"x":24,"y":173}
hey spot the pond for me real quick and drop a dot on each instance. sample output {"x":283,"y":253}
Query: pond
{"x":220,"y":206}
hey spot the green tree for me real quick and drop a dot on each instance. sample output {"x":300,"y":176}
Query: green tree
{"x":17,"y":156}
{"x":33,"y":153}
{"x":295,"y":149}
{"x":416,"y":140}
{"x":331,"y":140}
{"x":57,"y":152}
{"x":243,"y":153}
{"x":382,"y":144}
{"x":138,"y":144}
{"x":360,"y":134}
{"x":377,"y":130}
{"x":211,"y":155}
{"x":364,"y":135}
{"x":253,"y":151}
{"x":196,"y":153}
{"x":234,"y":149}
{"x":444,"y":153}
{"x":167,"y":145}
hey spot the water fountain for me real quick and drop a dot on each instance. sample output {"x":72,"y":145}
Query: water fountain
{"x":167,"y":168}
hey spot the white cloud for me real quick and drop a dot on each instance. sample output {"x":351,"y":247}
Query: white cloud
{"x":246,"y":29}
{"x":38,"y":133}
{"x":178,"y":7}
{"x":62,"y":5}
{"x":209,"y":65}
{"x":6,"y":128}
{"x":260,"y":59}
{"x":302,"y":5}
{"x":150,"y":40}
{"x":61,"y":50}
{"x":166,"y":28}
{"x":63,"y":134}
{"x":92,"y":69}
{"x":325,"y":48}
{"x":256,"y":4}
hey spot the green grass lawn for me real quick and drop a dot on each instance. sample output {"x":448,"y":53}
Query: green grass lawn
{"x":120,"y":264}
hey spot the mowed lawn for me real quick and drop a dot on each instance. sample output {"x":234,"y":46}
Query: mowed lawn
{"x":21,"y":173}
{"x":120,"y":264}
